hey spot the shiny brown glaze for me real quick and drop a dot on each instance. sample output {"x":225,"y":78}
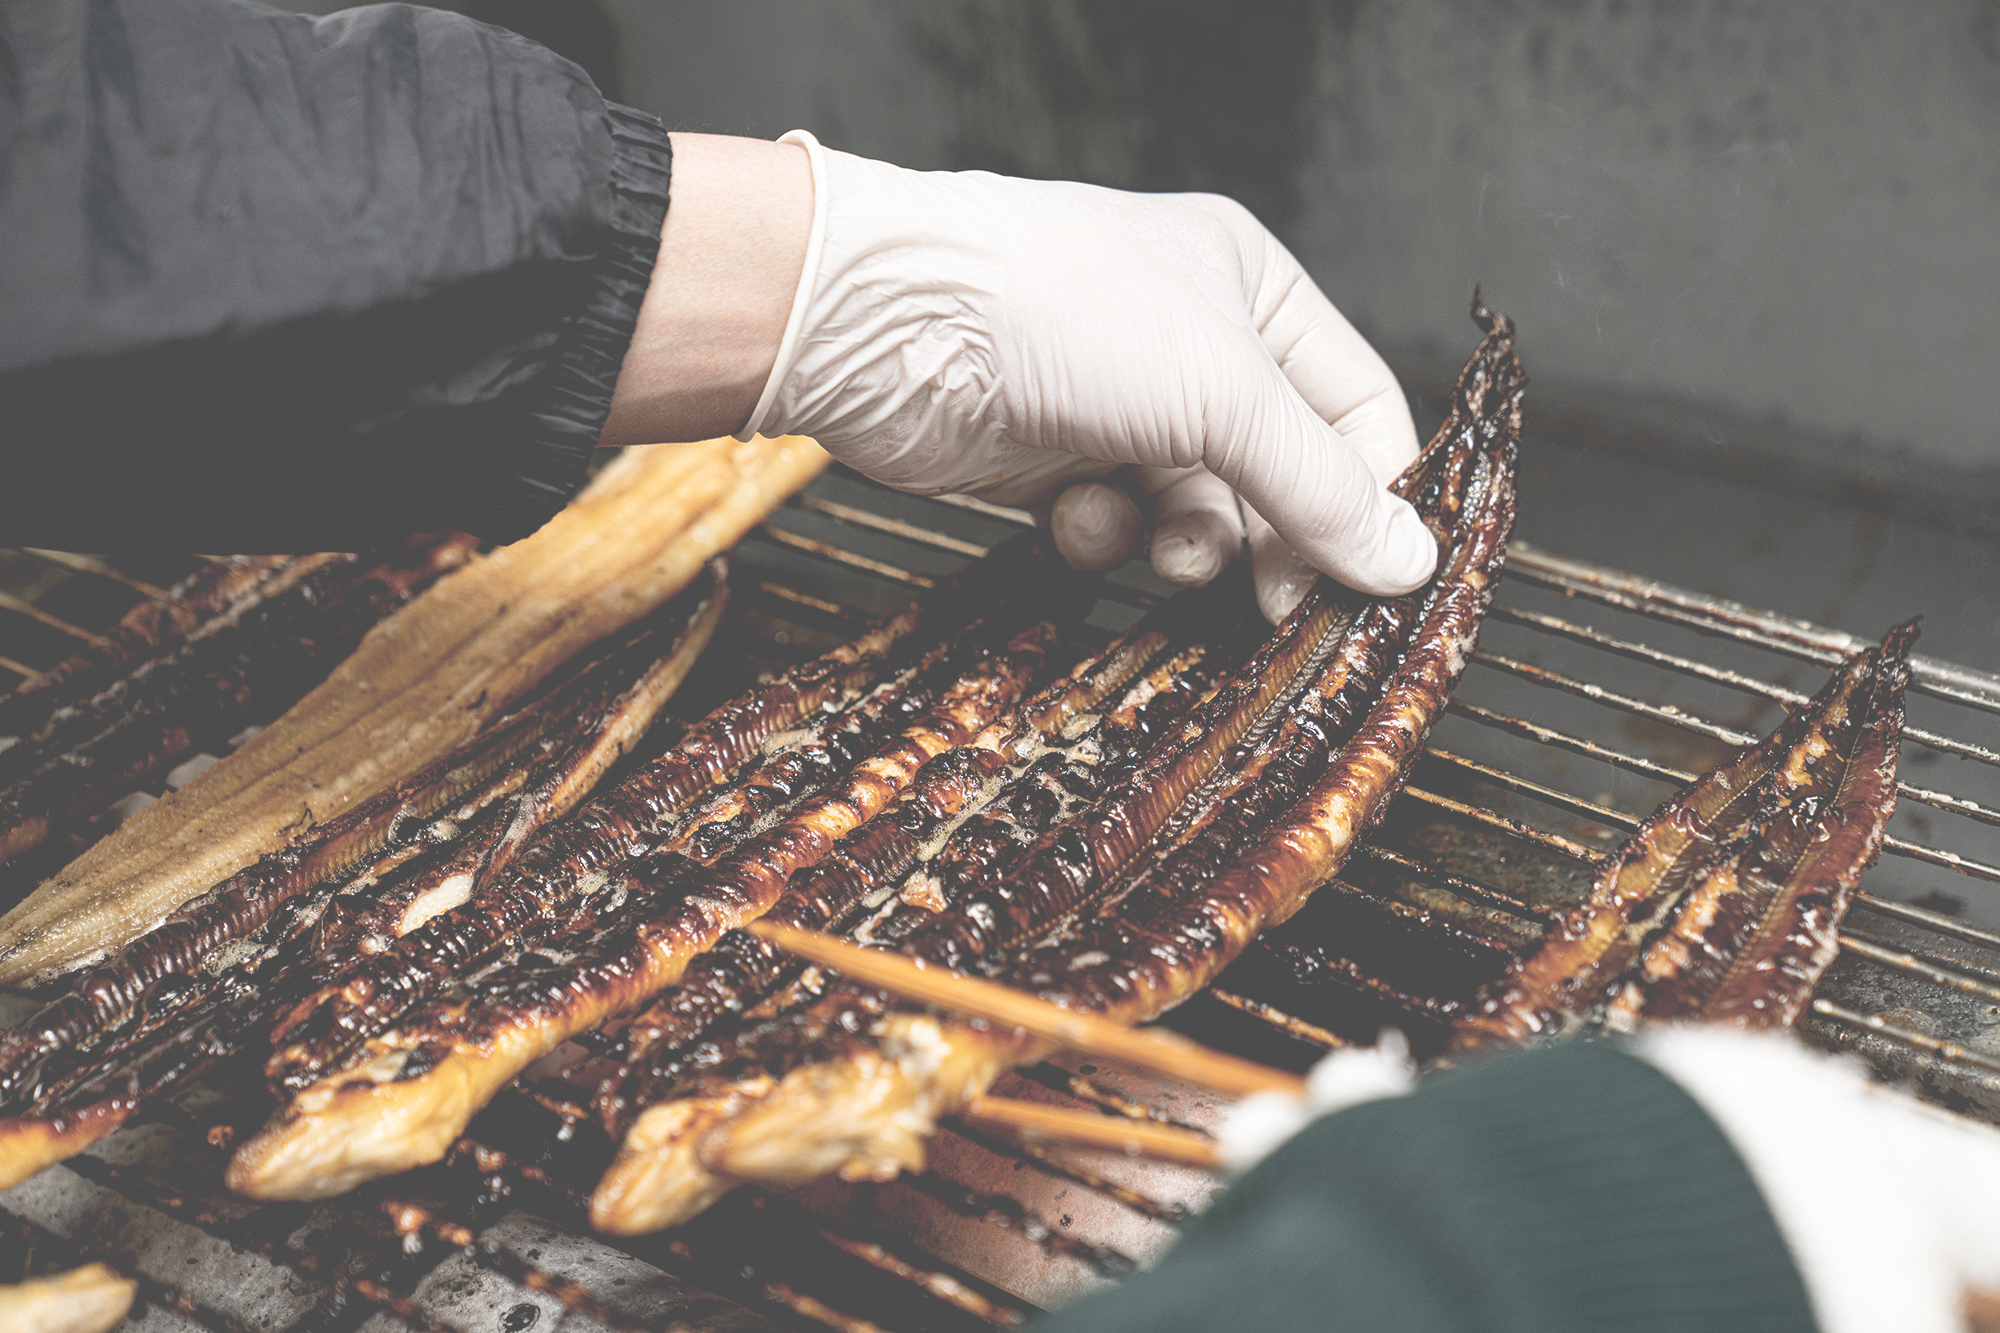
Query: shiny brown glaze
{"x":354,"y":1005}
{"x":742,"y":970}
{"x":153,"y":627}
{"x":185,"y":1023}
{"x":579,"y":857}
{"x":1073,"y":863}
{"x":597,"y":712}
{"x":1674,"y":901}
{"x":984,"y":848}
{"x":1748,"y":944}
{"x":261,"y":658}
{"x":407,"y":1096}
{"x":1171,"y":936}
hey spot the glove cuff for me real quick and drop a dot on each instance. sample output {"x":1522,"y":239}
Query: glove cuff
{"x":788,"y":347}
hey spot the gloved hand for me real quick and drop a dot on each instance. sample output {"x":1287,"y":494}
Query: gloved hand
{"x":966,"y":332}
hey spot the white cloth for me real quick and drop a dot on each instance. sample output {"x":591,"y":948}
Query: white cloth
{"x":961,"y":331}
{"x":1891,"y":1208}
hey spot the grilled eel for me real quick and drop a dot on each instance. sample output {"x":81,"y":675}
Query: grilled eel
{"x":582,"y":857}
{"x":669,"y":1094}
{"x":410,"y":1093}
{"x":741,"y":970}
{"x":262,"y":655}
{"x":422,"y":683}
{"x":864,"y":1106}
{"x":1063,"y":774}
{"x":1011,"y":900}
{"x":583,"y":725}
{"x":1724,"y":906}
{"x":203,"y":987}
{"x":153,"y":627}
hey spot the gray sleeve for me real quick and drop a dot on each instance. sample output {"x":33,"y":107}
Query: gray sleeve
{"x":281,"y":283}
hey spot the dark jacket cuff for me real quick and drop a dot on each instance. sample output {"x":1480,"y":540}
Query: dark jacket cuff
{"x":548,"y":462}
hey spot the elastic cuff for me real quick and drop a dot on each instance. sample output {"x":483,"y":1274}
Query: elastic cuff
{"x":788,"y":347}
{"x":551,"y":460}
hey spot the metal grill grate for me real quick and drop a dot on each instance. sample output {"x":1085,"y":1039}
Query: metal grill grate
{"x":1593,"y":695}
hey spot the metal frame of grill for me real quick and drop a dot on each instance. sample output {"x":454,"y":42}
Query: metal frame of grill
{"x":1488,"y":840}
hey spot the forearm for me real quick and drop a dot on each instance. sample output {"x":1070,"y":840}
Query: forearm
{"x":722,"y":289}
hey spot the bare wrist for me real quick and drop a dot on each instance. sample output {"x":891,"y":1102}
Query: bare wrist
{"x":722,"y":289}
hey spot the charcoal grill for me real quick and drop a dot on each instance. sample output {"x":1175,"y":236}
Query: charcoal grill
{"x":1593,"y":695}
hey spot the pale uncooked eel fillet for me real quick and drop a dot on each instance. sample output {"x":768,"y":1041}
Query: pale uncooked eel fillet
{"x":422,"y":682}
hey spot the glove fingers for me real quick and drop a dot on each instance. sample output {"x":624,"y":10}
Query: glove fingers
{"x":1197,"y":526}
{"x":1096,"y":526}
{"x":1276,"y":571}
{"x":1316,"y":491}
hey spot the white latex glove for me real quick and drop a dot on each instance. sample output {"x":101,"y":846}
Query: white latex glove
{"x":966,"y":332}
{"x":1891,"y":1209}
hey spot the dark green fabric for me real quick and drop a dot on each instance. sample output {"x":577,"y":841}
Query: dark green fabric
{"x":1567,"y":1188}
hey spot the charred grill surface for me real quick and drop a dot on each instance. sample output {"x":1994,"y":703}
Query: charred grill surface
{"x":412,"y":1090}
{"x":1725,"y":904}
{"x":261,"y":656}
{"x":151,"y":628}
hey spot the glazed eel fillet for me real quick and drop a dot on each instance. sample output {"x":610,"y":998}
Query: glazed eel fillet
{"x":266,"y":651}
{"x":1004,"y":902}
{"x":574,"y":861}
{"x":406,"y":1095}
{"x":664,"y":1103}
{"x":207,"y":983}
{"x":1067,"y":723}
{"x":876,"y":1087}
{"x":153,"y":627}
{"x":1725,"y":905}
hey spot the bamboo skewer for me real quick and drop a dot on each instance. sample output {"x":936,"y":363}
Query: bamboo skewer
{"x":1093,"y":1129}
{"x":1086,"y":1034}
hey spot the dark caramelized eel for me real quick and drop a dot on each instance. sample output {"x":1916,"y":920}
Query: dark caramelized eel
{"x":148,"y":630}
{"x":741,"y":971}
{"x":263,"y":656}
{"x":867,"y":1089}
{"x":1725,"y":905}
{"x":408,"y":1094}
{"x":356,"y":1004}
{"x":208,"y":984}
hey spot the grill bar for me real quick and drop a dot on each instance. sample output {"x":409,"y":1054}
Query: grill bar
{"x":1674,"y":717}
{"x":1733,"y":620}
